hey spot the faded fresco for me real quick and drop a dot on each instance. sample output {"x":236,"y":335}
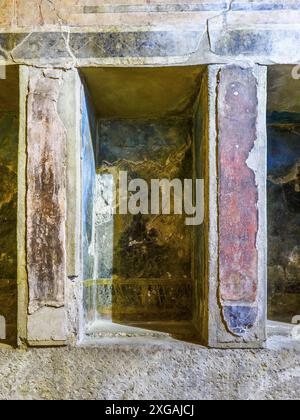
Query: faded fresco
{"x":238,"y":223}
{"x":46,"y":203}
{"x":138,"y":269}
{"x":8,"y":223}
{"x":284,"y":215}
{"x":151,"y":274}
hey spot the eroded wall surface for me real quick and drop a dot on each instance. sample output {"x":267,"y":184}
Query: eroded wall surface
{"x":238,"y":199}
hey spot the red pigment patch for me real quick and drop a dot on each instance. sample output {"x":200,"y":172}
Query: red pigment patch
{"x":238,"y":195}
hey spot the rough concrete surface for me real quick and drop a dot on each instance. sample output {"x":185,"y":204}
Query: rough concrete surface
{"x":150,"y":372}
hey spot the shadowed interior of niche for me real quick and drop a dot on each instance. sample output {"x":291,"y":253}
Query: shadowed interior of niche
{"x":138,"y":269}
{"x":283,"y":194}
{"x":9,"y":130}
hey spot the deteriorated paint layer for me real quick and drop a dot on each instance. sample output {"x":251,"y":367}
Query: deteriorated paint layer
{"x":9,"y":126}
{"x":238,"y":196}
{"x":45,"y":192}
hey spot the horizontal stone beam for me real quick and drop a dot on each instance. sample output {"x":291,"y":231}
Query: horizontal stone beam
{"x":68,"y":33}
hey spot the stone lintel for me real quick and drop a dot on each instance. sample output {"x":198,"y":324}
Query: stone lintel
{"x":161,"y":33}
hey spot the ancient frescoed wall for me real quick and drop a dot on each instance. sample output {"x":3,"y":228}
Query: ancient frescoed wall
{"x":73,"y":261}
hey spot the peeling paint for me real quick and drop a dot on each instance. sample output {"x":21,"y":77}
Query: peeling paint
{"x":283,"y":216}
{"x":238,"y":195}
{"x":46,"y":145}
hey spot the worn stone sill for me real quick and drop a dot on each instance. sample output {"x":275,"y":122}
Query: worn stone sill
{"x":279,"y":337}
{"x":104,"y":332}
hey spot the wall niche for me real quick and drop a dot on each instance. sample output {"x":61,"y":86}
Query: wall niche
{"x":283,"y":194}
{"x":9,"y":132}
{"x":139,"y":271}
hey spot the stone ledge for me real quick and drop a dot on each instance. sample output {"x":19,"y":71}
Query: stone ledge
{"x":263,"y":43}
{"x":152,"y":372}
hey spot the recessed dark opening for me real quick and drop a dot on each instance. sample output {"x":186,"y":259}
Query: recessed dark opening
{"x":139,"y":270}
{"x":9,"y":131}
{"x":283,"y":194}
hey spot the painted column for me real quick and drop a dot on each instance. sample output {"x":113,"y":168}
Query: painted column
{"x":46,"y":208}
{"x":237,"y":227}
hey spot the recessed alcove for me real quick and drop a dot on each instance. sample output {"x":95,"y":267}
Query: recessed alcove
{"x":140,"y":271}
{"x":9,"y":132}
{"x":283,"y":122}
